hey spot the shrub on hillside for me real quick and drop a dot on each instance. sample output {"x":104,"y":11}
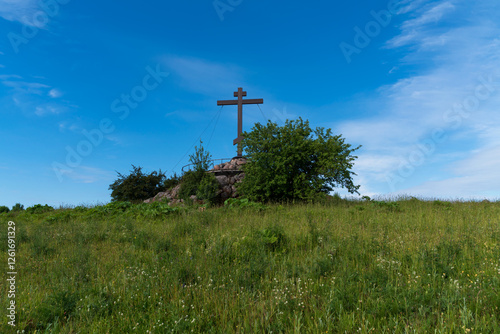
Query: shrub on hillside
{"x":201,"y":184}
{"x":137,"y":186}
{"x":293,"y":162}
{"x":197,"y":181}
{"x":4,"y":209}
{"x":208,"y":188}
{"x":38,"y":208}
{"x":189,"y":184}
{"x":18,"y":207}
{"x":273,"y":237}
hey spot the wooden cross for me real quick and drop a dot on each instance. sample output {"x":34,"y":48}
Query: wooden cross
{"x":239,"y":102}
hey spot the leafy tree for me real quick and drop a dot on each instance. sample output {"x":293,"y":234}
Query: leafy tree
{"x":137,"y":186}
{"x":4,"y":209}
{"x":293,"y":162}
{"x":200,"y":159}
{"x":18,"y":207}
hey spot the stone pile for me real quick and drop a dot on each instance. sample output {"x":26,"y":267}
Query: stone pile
{"x":227,"y":174}
{"x":170,"y":195}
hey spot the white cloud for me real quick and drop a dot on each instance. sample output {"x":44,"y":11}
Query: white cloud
{"x":64,"y":126}
{"x":376,"y":165}
{"x":432,"y":15}
{"x":86,"y":174}
{"x":21,"y":11}
{"x":9,"y":76}
{"x":24,"y":87}
{"x":55,"y":93}
{"x":48,"y":110}
{"x":203,"y":76}
{"x":34,"y":97}
{"x":475,"y":177}
{"x":415,"y":29}
{"x":456,"y":56}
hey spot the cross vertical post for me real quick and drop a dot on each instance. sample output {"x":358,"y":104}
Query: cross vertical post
{"x":239,"y":102}
{"x":239,"y":94}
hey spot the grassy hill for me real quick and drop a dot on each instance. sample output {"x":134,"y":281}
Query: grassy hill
{"x":407,"y":267}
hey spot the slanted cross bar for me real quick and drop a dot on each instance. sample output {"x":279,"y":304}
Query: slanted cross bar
{"x":239,"y":102}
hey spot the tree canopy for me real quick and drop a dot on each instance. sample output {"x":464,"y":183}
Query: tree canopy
{"x":293,"y":162}
{"x":137,"y":186}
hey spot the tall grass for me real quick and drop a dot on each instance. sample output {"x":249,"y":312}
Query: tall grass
{"x":404,"y":266}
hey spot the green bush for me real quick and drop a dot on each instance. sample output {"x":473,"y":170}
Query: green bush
{"x":38,"y":208}
{"x":155,"y":209}
{"x":80,"y":208}
{"x":4,"y":209}
{"x":273,"y":237}
{"x":293,"y":162}
{"x":18,"y":207}
{"x":119,"y":206}
{"x":208,"y":188}
{"x":137,"y":186}
{"x":190,"y":182}
{"x":197,"y":182}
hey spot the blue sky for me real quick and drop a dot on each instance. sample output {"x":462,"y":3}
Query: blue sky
{"x":89,"y":88}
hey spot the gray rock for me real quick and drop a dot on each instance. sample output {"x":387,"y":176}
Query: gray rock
{"x":222,"y":179}
{"x":227,"y":189}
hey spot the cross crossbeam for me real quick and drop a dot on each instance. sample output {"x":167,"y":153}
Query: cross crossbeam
{"x":239,"y":102}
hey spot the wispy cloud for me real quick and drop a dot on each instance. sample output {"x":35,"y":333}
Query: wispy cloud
{"x":458,"y":60}
{"x":19,"y":10}
{"x":35,"y":97}
{"x":414,"y":29}
{"x":66,"y":126}
{"x":478,"y":177}
{"x":431,"y":15}
{"x":20,"y":86}
{"x":48,"y":110}
{"x":86,"y":174}
{"x":55,"y":93}
{"x":9,"y":76}
{"x":22,"y":11}
{"x":204,"y":77}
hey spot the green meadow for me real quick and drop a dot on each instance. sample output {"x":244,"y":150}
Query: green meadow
{"x":405,"y":266}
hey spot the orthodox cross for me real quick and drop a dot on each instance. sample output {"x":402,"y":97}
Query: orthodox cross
{"x":239,"y":102}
